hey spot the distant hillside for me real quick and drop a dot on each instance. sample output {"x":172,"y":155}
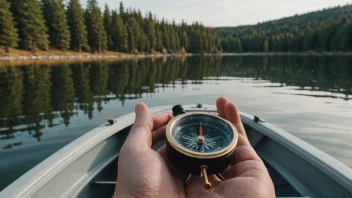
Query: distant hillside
{"x":324,"y":30}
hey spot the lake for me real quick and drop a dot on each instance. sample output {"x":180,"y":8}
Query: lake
{"x":43,"y":108}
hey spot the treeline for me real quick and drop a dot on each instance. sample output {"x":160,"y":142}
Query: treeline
{"x":325,"y":30}
{"x":40,"y":25}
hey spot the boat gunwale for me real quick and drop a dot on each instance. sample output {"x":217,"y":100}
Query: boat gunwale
{"x":35,"y":178}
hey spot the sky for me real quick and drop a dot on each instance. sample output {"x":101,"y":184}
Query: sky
{"x":217,"y":13}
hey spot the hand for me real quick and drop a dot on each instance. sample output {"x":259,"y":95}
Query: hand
{"x":246,"y":177}
{"x":143,"y":172}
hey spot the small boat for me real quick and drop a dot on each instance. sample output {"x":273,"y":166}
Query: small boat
{"x":87,"y":167}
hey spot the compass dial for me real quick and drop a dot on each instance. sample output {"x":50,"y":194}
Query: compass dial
{"x":202,"y":133}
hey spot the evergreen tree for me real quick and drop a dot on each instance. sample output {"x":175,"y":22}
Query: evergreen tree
{"x":122,"y":11}
{"x":56,"y":21}
{"x":172,"y":40}
{"x":31,"y":24}
{"x":95,"y":26}
{"x":104,"y":45}
{"x":77,"y":26}
{"x":166,"y":36}
{"x":159,"y":38}
{"x":184,"y":40}
{"x":266,"y":45}
{"x":238,"y":48}
{"x":119,"y":33}
{"x":340,"y":41}
{"x":308,"y":39}
{"x":8,"y":32}
{"x":131,"y":40}
{"x":134,"y":34}
{"x":150,"y":31}
{"x":107,"y":26}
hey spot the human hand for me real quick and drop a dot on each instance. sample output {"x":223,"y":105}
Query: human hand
{"x":143,"y":172}
{"x":246,"y":177}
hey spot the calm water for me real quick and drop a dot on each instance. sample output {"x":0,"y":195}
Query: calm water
{"x":43,"y":108}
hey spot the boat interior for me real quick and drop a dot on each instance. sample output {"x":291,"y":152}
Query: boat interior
{"x":88,"y":166}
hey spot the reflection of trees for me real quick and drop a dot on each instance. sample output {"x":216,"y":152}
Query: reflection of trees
{"x":328,"y":74}
{"x":84,"y":93}
{"x":100,"y":77}
{"x":34,"y":97}
{"x":65,"y":94}
{"x":37,"y":103}
{"x":11,"y":97}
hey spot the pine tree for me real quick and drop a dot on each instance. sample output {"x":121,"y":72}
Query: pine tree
{"x":172,"y":40}
{"x":266,"y":45}
{"x":150,"y":31}
{"x":56,"y":21}
{"x":340,"y":41}
{"x":75,"y":16}
{"x":308,"y":39}
{"x":118,"y":33}
{"x":104,"y":45}
{"x":136,"y":31}
{"x":31,"y":25}
{"x":122,"y":12}
{"x":238,"y":46}
{"x":95,"y":26}
{"x":131,"y":40}
{"x":159,"y":38}
{"x":107,"y":26}
{"x":8,"y":32}
{"x":184,"y":40}
{"x":166,"y":37}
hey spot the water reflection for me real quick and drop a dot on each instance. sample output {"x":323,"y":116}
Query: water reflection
{"x":34,"y":97}
{"x":312,"y":73}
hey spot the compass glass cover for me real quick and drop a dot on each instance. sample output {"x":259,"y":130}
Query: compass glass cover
{"x":215,"y":133}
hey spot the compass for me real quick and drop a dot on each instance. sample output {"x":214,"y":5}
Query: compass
{"x":200,"y":142}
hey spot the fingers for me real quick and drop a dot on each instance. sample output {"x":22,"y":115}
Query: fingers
{"x":220,"y":105}
{"x":158,"y":135}
{"x":140,"y":133}
{"x":161,"y":120}
{"x":232,"y":114}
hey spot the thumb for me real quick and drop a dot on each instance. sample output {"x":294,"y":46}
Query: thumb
{"x":140,"y":134}
{"x":143,"y":117}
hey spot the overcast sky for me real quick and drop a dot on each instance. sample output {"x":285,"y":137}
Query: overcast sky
{"x":225,"y":12}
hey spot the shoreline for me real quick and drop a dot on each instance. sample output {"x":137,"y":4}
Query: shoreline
{"x":55,"y":57}
{"x":309,"y":53}
{"x":16,"y":60}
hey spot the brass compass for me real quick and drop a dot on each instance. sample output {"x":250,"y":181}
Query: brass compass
{"x":200,"y":142}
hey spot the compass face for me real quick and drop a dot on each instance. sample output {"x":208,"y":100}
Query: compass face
{"x":202,"y":133}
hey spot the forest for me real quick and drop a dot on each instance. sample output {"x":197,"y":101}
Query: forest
{"x":327,"y":30}
{"x":54,"y":24}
